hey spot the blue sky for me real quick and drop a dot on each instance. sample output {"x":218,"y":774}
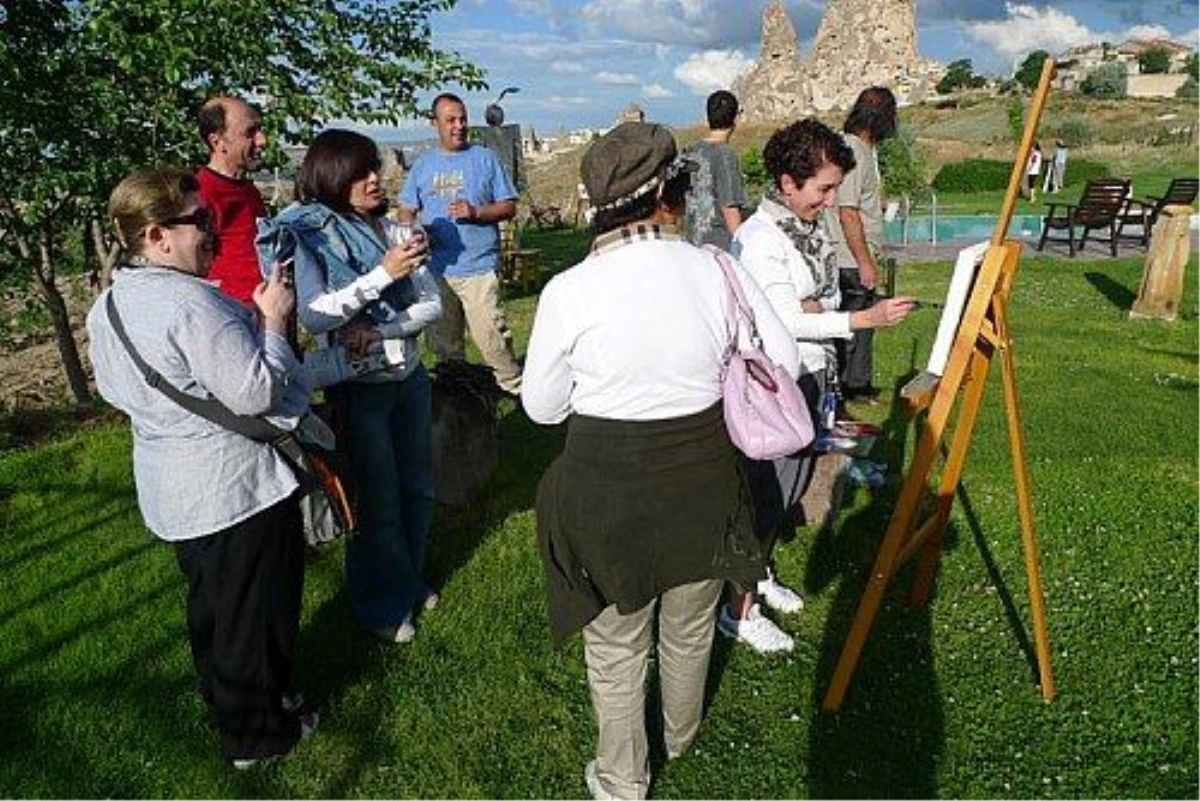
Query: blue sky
{"x":579,"y":62}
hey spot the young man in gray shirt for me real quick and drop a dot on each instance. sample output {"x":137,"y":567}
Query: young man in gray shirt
{"x":717,"y":194}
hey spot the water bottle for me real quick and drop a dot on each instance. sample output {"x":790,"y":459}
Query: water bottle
{"x":829,"y":410}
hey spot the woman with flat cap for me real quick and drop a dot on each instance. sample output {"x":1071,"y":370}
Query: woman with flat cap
{"x":642,"y":517}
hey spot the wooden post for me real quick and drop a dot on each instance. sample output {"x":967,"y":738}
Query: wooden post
{"x":1162,"y":277}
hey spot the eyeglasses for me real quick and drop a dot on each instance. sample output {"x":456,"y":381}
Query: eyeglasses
{"x":201,"y":218}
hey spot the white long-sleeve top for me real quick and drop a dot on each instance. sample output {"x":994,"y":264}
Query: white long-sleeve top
{"x":638,"y":331}
{"x":786,"y":277}
{"x":322,"y":309}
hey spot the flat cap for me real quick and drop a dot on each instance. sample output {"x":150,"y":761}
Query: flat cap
{"x":626,"y":163}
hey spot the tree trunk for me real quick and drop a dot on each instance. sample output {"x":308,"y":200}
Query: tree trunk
{"x":43,"y":276}
{"x":106,"y":253}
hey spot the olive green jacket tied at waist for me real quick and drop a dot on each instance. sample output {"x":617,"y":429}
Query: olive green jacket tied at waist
{"x":631,"y":509}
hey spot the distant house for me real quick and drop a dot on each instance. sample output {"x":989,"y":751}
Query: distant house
{"x":1079,"y":62}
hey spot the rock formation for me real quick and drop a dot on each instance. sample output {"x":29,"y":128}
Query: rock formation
{"x":775,"y":88}
{"x":859,"y":43}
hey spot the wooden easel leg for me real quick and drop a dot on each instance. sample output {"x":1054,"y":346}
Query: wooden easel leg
{"x":931,"y":550}
{"x":1037,"y":602}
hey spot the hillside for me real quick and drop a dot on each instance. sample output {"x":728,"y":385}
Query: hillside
{"x":1133,"y":132}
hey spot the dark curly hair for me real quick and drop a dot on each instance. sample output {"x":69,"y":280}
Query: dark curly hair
{"x":802,"y":148}
{"x":873,"y":112}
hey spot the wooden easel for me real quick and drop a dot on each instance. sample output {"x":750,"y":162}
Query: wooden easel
{"x":982,"y":335}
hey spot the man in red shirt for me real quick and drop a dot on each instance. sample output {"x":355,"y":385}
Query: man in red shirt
{"x":232,"y":130}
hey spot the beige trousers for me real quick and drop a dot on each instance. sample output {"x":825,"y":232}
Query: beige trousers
{"x":473,"y":304}
{"x":617,"y":650}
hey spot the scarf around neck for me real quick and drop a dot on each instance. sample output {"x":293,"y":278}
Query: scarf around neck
{"x":808,"y":239}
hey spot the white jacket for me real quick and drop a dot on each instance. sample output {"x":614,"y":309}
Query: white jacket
{"x":786,"y":277}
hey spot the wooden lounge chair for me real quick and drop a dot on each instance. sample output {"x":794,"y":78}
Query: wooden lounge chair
{"x":1144,"y":213}
{"x":1098,"y":209}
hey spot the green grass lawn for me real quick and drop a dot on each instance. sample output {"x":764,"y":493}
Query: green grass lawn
{"x":96,"y":683}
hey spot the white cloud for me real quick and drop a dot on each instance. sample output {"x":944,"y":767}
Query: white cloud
{"x":655,"y":91}
{"x":616,"y":78}
{"x":567,"y":67}
{"x":1191,"y":38}
{"x":1147,"y":32}
{"x":697,"y":23}
{"x":1029,"y":28}
{"x":711,"y":70}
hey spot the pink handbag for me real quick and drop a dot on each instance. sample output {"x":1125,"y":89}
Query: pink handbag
{"x":765,"y":412}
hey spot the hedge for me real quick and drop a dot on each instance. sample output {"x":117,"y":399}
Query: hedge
{"x":990,"y":175}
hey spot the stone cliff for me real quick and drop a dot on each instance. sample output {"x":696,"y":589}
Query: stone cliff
{"x":859,"y":43}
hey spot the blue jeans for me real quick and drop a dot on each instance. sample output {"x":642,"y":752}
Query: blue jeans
{"x":390,"y":444}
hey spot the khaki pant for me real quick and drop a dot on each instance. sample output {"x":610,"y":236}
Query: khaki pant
{"x":473,"y":303}
{"x":617,"y":650}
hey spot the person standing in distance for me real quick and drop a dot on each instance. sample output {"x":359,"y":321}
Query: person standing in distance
{"x":717,"y":195}
{"x":232,"y":131}
{"x":855,"y":229}
{"x":461,"y":193}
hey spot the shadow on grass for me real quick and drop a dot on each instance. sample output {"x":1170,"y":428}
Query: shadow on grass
{"x":1118,"y":294}
{"x":993,"y":570}
{"x":885,"y":740}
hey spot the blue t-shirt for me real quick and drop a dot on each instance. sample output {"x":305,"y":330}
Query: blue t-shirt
{"x":458,"y":248}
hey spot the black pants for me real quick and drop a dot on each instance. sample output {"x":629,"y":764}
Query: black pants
{"x":243,"y":615}
{"x":777,"y":485}
{"x":856,"y":363}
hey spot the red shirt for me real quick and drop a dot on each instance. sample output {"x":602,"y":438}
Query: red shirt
{"x":236,"y":206}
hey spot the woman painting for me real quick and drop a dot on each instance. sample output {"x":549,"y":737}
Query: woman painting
{"x":787,"y":251}
{"x":642,"y":517}
{"x":355,"y":291}
{"x":226,"y":503}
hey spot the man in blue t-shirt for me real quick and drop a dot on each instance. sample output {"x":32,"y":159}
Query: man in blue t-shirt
{"x":461,"y":193}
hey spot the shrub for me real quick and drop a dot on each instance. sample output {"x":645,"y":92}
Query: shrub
{"x":755,"y":171}
{"x":1080,"y":171}
{"x":1109,"y":80}
{"x":902,"y":166}
{"x":1016,"y":118}
{"x":991,"y":175}
{"x":1073,"y":130}
{"x":1192,"y":67}
{"x":973,"y":175}
{"x":1190,"y":90}
{"x":1154,"y":60}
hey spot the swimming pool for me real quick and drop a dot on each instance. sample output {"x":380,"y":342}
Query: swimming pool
{"x":958,"y":226}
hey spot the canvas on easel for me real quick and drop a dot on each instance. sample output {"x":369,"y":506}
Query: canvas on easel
{"x":985,"y":276}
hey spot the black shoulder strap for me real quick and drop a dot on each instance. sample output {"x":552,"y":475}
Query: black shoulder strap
{"x":210,"y":409}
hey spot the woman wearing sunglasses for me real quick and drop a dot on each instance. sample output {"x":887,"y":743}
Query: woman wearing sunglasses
{"x":227,"y":504}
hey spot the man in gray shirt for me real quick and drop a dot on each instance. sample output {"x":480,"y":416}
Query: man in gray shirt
{"x":855,"y":228}
{"x":717,"y":194}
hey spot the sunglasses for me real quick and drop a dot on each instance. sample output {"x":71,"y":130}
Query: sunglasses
{"x":201,"y":218}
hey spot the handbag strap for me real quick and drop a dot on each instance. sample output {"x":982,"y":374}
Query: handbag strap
{"x":733,"y":287}
{"x":210,"y":409}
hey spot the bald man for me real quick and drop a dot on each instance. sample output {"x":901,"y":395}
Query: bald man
{"x":232,"y":130}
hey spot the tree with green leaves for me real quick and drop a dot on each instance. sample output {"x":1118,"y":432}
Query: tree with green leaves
{"x":1030,"y":71}
{"x":91,"y":89}
{"x":1192,"y":67}
{"x":960,"y":74}
{"x":902,"y":165}
{"x":1154,"y":61}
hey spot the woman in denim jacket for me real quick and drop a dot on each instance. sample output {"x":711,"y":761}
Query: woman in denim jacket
{"x":356,"y":292}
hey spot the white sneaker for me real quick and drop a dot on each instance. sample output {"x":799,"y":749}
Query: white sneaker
{"x":755,"y":630}
{"x":779,"y":597}
{"x":398,"y":634}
